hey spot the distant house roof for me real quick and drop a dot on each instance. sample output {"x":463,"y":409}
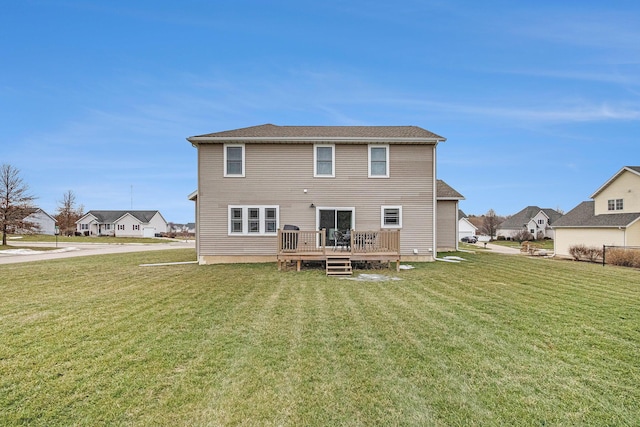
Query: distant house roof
{"x":31,"y":211}
{"x":461,"y":214}
{"x":632,"y":169}
{"x":583,"y":216}
{"x":518,"y":220}
{"x":109,"y":217}
{"x":445,"y":192}
{"x":271,"y":133}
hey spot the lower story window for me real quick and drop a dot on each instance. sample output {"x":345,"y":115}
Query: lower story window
{"x":253,"y":220}
{"x":391,"y":217}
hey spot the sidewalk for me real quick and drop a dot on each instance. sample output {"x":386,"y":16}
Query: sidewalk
{"x":499,"y":249}
{"x":69,"y":250}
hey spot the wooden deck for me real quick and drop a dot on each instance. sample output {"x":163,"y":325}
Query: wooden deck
{"x":299,"y":245}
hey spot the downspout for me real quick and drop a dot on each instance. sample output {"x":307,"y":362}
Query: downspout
{"x":434,"y":244}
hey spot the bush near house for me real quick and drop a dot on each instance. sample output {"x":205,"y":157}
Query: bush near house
{"x":623,"y":257}
{"x":585,"y":253}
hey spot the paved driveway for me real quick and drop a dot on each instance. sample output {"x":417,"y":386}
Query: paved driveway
{"x":499,"y":249}
{"x":68,"y":250}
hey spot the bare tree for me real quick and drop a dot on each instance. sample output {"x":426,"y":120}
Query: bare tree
{"x":490,"y":223}
{"x":68,"y":213}
{"x":16,"y":203}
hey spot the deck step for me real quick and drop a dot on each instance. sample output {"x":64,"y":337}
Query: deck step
{"x":339,"y":265}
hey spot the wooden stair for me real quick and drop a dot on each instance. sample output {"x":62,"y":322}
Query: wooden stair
{"x":339,"y":265}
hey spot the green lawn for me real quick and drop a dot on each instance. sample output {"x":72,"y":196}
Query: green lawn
{"x":495,"y":340}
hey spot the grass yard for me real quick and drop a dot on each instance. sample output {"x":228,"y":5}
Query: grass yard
{"x":496,"y":340}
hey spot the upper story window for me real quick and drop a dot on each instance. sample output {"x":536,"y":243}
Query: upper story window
{"x":541,"y":222}
{"x":253,"y":220}
{"x":234,"y":160}
{"x":324,"y":159}
{"x":378,"y":161}
{"x":391,"y":217}
{"x":615,"y":204}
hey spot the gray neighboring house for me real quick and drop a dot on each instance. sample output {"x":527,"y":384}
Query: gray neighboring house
{"x":447,"y":203}
{"x":122,"y":223}
{"x":535,"y":220}
{"x":254,"y":181}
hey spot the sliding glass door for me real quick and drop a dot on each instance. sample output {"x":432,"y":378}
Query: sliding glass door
{"x":332,"y":219}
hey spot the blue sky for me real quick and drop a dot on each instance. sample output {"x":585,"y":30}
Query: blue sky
{"x":539,"y":101}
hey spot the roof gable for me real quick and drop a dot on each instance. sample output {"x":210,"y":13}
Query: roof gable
{"x":632,"y":169}
{"x":521,"y":218}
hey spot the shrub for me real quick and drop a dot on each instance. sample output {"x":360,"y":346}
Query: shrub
{"x":624,"y":257}
{"x":522,"y":235}
{"x":585,"y":253}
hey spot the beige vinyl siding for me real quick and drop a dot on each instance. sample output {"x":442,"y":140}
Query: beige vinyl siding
{"x":590,"y":237}
{"x":447,"y":225}
{"x":625,"y":187}
{"x":278,"y":174}
{"x":633,"y":234}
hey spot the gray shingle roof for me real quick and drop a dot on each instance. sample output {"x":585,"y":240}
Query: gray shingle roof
{"x":583,"y":216}
{"x":109,"y":217}
{"x":525,"y":215}
{"x":270,"y":132}
{"x":445,"y":191}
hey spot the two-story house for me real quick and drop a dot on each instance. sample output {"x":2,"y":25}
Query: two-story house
{"x":612,"y":217}
{"x":533,"y":219}
{"x":255,"y":181}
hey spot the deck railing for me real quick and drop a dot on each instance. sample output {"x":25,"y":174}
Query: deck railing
{"x":381,"y":241}
{"x":297,"y":241}
{"x":360,"y":242}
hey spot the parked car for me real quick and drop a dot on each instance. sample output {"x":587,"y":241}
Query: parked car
{"x":469,"y":239}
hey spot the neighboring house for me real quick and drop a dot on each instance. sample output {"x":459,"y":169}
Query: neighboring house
{"x":122,"y":223}
{"x":611,"y":218}
{"x":465,"y":227}
{"x":533,"y":219}
{"x":188,"y":228}
{"x":254,"y":181}
{"x":40,"y":221}
{"x":447,"y":214}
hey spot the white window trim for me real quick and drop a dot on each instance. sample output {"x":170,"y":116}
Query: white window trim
{"x":228,"y":175}
{"x":315,"y":161}
{"x":245,"y":220}
{"x":382,"y":224}
{"x":386,"y":175}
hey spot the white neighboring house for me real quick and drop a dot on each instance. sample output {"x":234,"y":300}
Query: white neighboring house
{"x":465,"y":227}
{"x":535,"y":220}
{"x":122,"y":223}
{"x":612,"y":217}
{"x":44,"y":223}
